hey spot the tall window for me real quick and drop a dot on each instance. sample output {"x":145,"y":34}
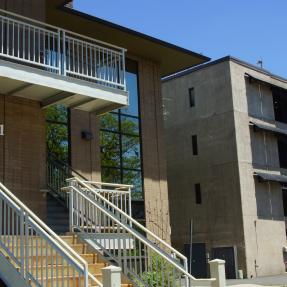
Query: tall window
{"x":120,"y":139}
{"x":282,"y":151}
{"x":57,"y":132}
{"x":280,"y":104}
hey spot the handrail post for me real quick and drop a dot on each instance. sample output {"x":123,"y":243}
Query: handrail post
{"x":22,"y":246}
{"x":64,"y":54}
{"x":124,"y":68}
{"x":59,"y":52}
{"x":86,"y":275}
{"x":71,"y":211}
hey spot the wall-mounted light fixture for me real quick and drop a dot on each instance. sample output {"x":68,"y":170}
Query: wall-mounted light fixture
{"x":1,"y":130}
{"x":87,"y":135}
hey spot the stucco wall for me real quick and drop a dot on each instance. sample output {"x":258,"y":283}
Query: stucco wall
{"x":218,"y":220}
{"x":264,"y":226}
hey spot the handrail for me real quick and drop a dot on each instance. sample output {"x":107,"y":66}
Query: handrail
{"x":58,"y":171}
{"x":61,"y":51}
{"x":50,"y":234}
{"x":55,"y":27}
{"x":134,"y":234}
{"x":129,"y":218}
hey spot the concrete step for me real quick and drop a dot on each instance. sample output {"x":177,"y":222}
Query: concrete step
{"x":63,"y":270}
{"x":47,"y":250}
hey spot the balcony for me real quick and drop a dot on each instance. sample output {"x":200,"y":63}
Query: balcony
{"x":52,"y":65}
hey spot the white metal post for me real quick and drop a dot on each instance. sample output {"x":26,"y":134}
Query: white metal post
{"x":71,"y":211}
{"x":22,"y":238}
{"x":64,"y":53}
{"x":59,"y":52}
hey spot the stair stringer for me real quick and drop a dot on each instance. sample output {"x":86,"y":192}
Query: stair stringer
{"x":9,"y":274}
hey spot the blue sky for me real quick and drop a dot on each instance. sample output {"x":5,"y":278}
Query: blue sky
{"x":247,"y":29}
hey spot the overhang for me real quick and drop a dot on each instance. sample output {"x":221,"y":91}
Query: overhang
{"x":49,"y":88}
{"x":267,"y":128}
{"x":265,"y":177}
{"x":172,"y":58}
{"x":272,"y":81}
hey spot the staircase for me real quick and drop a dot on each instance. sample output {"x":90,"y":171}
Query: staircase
{"x":43,"y":266}
{"x":101,"y":232}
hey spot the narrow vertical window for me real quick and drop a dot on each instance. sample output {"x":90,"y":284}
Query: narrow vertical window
{"x":197,"y":189}
{"x":191,"y":97}
{"x":194,"y":145}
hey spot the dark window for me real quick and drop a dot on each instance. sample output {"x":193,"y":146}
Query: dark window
{"x":120,"y":139}
{"x":194,"y":145}
{"x":284,"y":191}
{"x":282,"y":150}
{"x":57,"y":132}
{"x":280,"y":104}
{"x":191,"y":97}
{"x":197,"y":189}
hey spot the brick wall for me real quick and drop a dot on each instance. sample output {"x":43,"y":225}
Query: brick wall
{"x":85,"y":154}
{"x":22,"y":151}
{"x":153,"y":150}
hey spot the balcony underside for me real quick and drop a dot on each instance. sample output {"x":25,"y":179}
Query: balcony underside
{"x":49,"y":88}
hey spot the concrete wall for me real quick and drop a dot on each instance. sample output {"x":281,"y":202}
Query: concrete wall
{"x":23,"y":151}
{"x":263,"y":217}
{"x":215,"y":167}
{"x":236,"y":209}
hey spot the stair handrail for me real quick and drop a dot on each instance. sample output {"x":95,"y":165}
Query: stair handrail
{"x":121,"y":191}
{"x":132,"y":220}
{"x":188,"y":277}
{"x":60,"y":243}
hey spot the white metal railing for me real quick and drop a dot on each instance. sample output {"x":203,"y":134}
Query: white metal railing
{"x":145,"y":258}
{"x":57,"y":172}
{"x":42,"y":257}
{"x":60,"y":51}
{"x":118,"y":194}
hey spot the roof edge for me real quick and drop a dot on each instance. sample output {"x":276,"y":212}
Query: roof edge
{"x":64,"y":8}
{"x":221,"y":60}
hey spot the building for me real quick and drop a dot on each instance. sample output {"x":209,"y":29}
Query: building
{"x":80,"y":96}
{"x":226,"y":127}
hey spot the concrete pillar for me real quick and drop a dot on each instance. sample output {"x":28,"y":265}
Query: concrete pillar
{"x":217,"y":271}
{"x":111,"y":276}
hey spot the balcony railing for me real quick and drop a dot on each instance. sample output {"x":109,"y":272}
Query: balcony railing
{"x":36,"y":44}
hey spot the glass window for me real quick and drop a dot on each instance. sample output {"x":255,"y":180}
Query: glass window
{"x":57,"y":132}
{"x":280,"y":104}
{"x":120,"y":139}
{"x":131,"y":152}
{"x":110,"y":149}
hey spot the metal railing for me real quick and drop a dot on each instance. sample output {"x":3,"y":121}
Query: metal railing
{"x":41,"y":256}
{"x":57,"y":172}
{"x":56,"y":50}
{"x":145,"y":258}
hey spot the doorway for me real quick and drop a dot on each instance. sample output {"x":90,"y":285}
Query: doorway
{"x":227,"y":254}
